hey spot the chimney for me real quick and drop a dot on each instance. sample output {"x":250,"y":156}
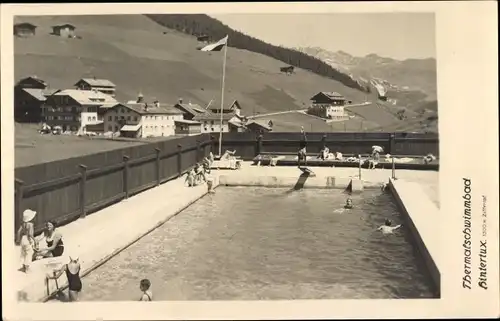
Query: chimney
{"x":140,"y":98}
{"x":180,"y":100}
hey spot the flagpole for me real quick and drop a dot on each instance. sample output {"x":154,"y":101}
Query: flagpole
{"x":222,"y":97}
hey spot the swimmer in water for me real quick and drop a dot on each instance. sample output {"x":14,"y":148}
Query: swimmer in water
{"x":387,"y":228}
{"x":348,"y":204}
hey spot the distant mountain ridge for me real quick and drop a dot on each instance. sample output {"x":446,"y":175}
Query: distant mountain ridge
{"x":405,"y":75}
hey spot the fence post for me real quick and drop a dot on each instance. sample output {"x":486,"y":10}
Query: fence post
{"x":198,"y":151}
{"x":125,"y":175}
{"x":212,"y":144}
{"x":179,"y":160}
{"x":258,"y":145}
{"x":19,"y":194}
{"x":392,"y":144}
{"x":323,"y":142}
{"x":393,"y":168}
{"x":83,"y":194}
{"x":359,"y":166}
{"x":158,"y":176}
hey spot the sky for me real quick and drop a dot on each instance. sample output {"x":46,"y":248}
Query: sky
{"x":395,"y":35}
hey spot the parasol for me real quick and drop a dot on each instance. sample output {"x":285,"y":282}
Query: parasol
{"x":377,"y":148}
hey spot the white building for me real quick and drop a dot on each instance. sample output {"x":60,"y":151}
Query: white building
{"x":329,"y":105}
{"x":141,"y":120}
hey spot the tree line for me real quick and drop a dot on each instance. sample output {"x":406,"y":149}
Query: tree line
{"x":201,"y":24}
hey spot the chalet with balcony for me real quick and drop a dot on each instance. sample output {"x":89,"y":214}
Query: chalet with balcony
{"x":74,"y":109}
{"x":328,"y":105}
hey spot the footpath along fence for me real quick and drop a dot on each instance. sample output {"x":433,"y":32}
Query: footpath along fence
{"x":65,"y":190}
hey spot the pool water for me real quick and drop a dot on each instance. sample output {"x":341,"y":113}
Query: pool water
{"x":247,"y":243}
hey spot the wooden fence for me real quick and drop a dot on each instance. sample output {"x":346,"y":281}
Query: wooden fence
{"x":248,"y":145}
{"x":64,"y":190}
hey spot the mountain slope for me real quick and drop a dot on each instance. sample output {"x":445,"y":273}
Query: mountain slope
{"x":139,"y":55}
{"x":404,"y":75}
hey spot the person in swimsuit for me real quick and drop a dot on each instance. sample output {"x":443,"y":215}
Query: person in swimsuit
{"x":302,"y":154}
{"x":55,"y":245}
{"x":387,"y":228}
{"x":72,"y":270}
{"x":26,"y":238}
{"x":145,"y":286}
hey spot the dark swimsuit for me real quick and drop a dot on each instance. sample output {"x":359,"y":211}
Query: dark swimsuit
{"x":59,"y":249}
{"x":74,"y":281}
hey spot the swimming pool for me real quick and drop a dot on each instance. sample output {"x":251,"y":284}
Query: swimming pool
{"x":246,"y":243}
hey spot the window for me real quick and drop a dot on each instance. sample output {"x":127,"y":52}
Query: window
{"x":122,"y":117}
{"x":116,"y":128}
{"x":93,"y":118}
{"x":110,"y":118}
{"x":110,"y":128}
{"x":156,"y":117}
{"x":128,"y":117}
{"x":122,"y":110}
{"x":212,"y":122}
{"x":212,"y":129}
{"x":89,"y":118}
{"x":156,"y":128}
{"x":135,"y":118}
{"x":67,"y":109}
{"x":116,"y":118}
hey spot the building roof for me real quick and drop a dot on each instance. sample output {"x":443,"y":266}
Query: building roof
{"x":192,"y":109}
{"x":151,"y":110}
{"x":188,"y":122}
{"x":40,"y":94}
{"x":96,"y":82}
{"x":25,"y":25}
{"x":130,"y":128}
{"x":330,"y":94}
{"x":36,"y":79}
{"x":211,"y":116}
{"x":259,"y":124}
{"x":64,"y":26}
{"x":231,"y":106}
{"x":89,"y":97}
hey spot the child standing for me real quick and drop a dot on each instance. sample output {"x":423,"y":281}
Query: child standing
{"x":26,"y":237}
{"x":145,"y":286}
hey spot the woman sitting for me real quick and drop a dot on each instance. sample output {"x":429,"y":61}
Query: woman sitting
{"x":55,"y":245}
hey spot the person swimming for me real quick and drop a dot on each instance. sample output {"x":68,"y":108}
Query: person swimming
{"x":348,"y":204}
{"x":387,"y":228}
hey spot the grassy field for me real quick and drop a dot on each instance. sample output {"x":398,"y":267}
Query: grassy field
{"x":32,"y":148}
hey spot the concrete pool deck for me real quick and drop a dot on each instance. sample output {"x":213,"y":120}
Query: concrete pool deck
{"x":102,"y":235}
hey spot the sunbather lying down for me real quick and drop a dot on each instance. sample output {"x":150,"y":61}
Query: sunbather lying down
{"x":228,"y":154}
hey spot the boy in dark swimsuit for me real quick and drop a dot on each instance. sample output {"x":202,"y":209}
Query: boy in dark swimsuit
{"x":145,"y":286}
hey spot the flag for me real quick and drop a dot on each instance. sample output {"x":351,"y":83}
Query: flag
{"x":216,"y":46}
